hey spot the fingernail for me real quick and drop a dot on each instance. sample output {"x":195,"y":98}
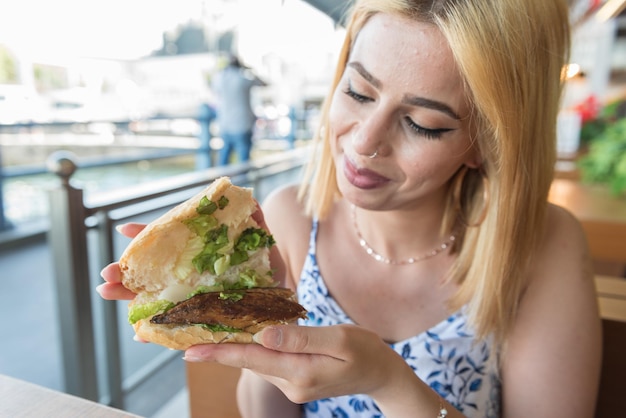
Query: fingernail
{"x":99,"y":289}
{"x":270,"y":337}
{"x":118,"y":228}
{"x":190,"y":358}
{"x":195,"y":355}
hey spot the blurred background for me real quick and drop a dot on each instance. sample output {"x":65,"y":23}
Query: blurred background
{"x":123,"y":89}
{"x":116,"y":78}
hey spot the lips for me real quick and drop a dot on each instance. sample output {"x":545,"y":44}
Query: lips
{"x":362,"y":178}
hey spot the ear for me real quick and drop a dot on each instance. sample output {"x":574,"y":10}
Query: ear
{"x":474,"y":159}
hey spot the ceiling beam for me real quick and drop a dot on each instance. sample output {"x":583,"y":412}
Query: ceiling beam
{"x":335,"y":9}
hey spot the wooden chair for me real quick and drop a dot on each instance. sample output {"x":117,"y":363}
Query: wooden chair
{"x":607,"y":245}
{"x":612,"y":300}
{"x":212,"y":390}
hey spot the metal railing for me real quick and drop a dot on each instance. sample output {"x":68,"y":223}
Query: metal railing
{"x":77,"y":258}
{"x":204,"y":153}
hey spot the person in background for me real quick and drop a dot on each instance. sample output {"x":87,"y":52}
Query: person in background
{"x":235,"y":116}
{"x":439,"y":280}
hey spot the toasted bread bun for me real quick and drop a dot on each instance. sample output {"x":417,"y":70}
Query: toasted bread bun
{"x":247,"y":311}
{"x":159,"y":264}
{"x":181,"y":337}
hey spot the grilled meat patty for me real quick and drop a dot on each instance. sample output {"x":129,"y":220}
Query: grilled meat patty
{"x":248,"y":310}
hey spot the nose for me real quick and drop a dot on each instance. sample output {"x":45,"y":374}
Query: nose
{"x":370,"y":136}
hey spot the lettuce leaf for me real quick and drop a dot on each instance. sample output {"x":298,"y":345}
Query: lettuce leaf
{"x":138,"y":312}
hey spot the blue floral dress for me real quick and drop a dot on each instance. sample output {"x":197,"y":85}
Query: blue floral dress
{"x":447,"y":357}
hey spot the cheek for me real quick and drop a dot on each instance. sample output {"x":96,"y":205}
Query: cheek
{"x":429,"y":161}
{"x":338,"y":122}
{"x":339,"y":115}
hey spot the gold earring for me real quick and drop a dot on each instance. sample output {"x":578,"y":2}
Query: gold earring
{"x":457,"y":197}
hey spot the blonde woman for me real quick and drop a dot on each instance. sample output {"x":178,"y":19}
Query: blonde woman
{"x":438,"y":280}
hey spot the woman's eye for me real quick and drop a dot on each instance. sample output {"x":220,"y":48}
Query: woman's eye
{"x":428,"y":133}
{"x":356,"y":96}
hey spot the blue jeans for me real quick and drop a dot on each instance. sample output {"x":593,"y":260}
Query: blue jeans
{"x":240,"y":143}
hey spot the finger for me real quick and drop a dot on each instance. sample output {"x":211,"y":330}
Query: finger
{"x":255,"y":357}
{"x":276,"y":260}
{"x":243,"y":356}
{"x":327,"y":341}
{"x":259,"y":217}
{"x":114,"y":291}
{"x":112,"y":273}
{"x":294,"y":374}
{"x":130,"y":229}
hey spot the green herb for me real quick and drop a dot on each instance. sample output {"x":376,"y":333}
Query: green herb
{"x":214,"y":240}
{"x":202,"y":224}
{"x":216,"y":256}
{"x":219,"y":328}
{"x":250,"y":240}
{"x":232,"y":296}
{"x":222,"y":202}
{"x":206,"y":206}
{"x":217,"y":238}
{"x":204,"y":289}
{"x":205,"y":261}
{"x":247,"y":280}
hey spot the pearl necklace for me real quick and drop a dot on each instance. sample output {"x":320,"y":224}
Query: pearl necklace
{"x":381,"y":258}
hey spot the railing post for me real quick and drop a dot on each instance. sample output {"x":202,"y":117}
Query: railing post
{"x":204,"y":157}
{"x":68,"y":243}
{"x":4,"y":223}
{"x":111,"y":328}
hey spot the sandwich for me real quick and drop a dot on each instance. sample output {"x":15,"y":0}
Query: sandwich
{"x":202,"y":273}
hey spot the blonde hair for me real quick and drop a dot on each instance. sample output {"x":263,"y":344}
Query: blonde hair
{"x":510,"y":54}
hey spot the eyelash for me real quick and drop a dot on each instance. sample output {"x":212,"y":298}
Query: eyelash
{"x":356,"y":96}
{"x":433,"y":134}
{"x":428,"y":133}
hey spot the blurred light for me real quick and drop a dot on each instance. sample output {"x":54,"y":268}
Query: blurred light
{"x":571,"y":71}
{"x":610,"y":9}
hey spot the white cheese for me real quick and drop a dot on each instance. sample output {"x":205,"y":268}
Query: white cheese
{"x":176,"y":292}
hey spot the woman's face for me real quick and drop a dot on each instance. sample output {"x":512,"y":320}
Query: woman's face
{"x":402,"y":97}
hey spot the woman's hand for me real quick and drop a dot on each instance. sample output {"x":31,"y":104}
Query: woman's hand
{"x":308,"y":363}
{"x":113,"y":289}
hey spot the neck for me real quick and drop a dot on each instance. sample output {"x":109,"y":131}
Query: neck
{"x":402,"y":239}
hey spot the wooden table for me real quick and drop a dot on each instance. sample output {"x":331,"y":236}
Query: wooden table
{"x":603,"y":216}
{"x":19,"y":399}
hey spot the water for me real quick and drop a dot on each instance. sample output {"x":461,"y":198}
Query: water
{"x":26,"y":198}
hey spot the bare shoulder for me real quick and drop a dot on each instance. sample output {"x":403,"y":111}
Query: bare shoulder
{"x":282,"y":207}
{"x":562,"y":267}
{"x":286,"y":195}
{"x":563,"y":248}
{"x":557,"y":329}
{"x":287,"y":221}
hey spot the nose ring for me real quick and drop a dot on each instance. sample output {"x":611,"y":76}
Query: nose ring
{"x":374,"y":154}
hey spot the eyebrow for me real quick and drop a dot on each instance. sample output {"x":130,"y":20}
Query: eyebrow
{"x":411,"y":100}
{"x":358,"y":67}
{"x":431,"y":104}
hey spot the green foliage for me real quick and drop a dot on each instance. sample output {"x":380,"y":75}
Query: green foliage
{"x":8,"y":67}
{"x":606,"y":160}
